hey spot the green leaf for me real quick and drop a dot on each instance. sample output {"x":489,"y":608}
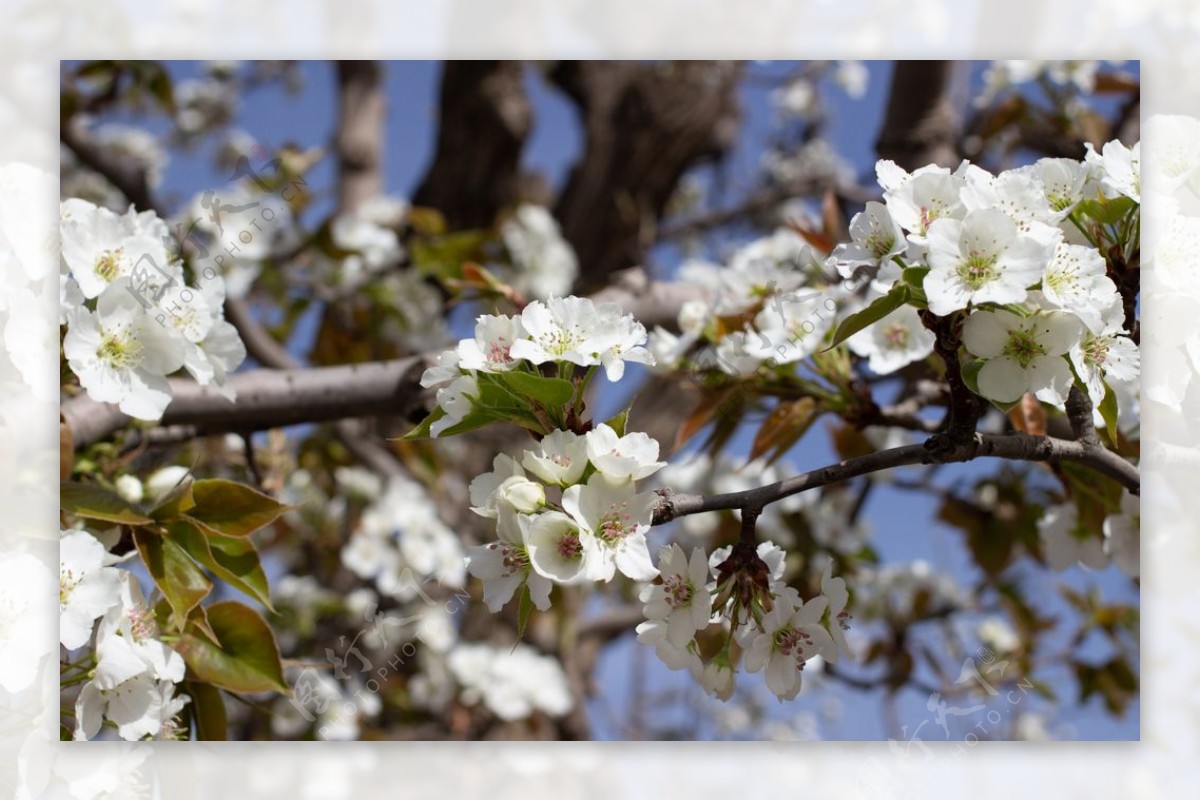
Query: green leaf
{"x":443,"y":256}
{"x":549,"y":392}
{"x":208,"y":711}
{"x":96,"y":503}
{"x":421,"y":431}
{"x":524,"y":609}
{"x":1109,"y":412}
{"x":879,"y":308}
{"x":234,"y":560}
{"x":1107,"y":211}
{"x":231,"y":508}
{"x":618,"y":422}
{"x":180,"y":580}
{"x":175,"y":503}
{"x":915,"y":277}
{"x":970,"y":374}
{"x":246,"y":661}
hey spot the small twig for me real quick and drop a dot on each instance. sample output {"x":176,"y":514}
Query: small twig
{"x":1017,"y":447}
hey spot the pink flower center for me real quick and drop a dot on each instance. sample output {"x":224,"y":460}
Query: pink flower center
{"x":678,"y":591}
{"x":569,"y":546}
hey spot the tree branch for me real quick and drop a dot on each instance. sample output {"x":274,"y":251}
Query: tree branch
{"x":1018,"y":447}
{"x":129,"y":179}
{"x":268,"y":398}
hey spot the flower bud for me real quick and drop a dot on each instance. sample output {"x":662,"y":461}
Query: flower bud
{"x":718,"y":679}
{"x":129,"y":488}
{"x":521,"y":494}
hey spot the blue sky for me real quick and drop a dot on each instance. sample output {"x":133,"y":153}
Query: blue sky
{"x":902,"y":521}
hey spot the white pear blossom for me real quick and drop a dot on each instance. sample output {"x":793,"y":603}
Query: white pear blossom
{"x":140,"y":707}
{"x":654,"y":632}
{"x":1024,"y":354}
{"x":1076,"y":281}
{"x":731,"y":355}
{"x":101,"y":247}
{"x":87,"y":586}
{"x":790,"y":635}
{"x":504,"y":567}
{"x":1065,"y":541}
{"x":682,"y":599}
{"x":371,"y":247}
{"x":129,"y":487}
{"x":457,"y":400}
{"x":917,"y":200}
{"x":769,"y":265}
{"x":558,"y":549}
{"x":891,"y":592}
{"x":25,"y":629}
{"x":853,"y":77}
{"x":559,"y":330}
{"x":483,"y":487}
{"x":897,"y":340}
{"x":400,"y":541}
{"x":981,"y":258}
{"x":791,"y":327}
{"x":1063,"y":181}
{"x":718,"y":679}
{"x":234,"y":230}
{"x":512,"y":683}
{"x":163,"y":480}
{"x":1105,"y":355}
{"x":837,"y":615}
{"x":1118,"y":168}
{"x":560,"y":458}
{"x":1019,"y":195}
{"x":631,"y":457}
{"x":618,"y":517}
{"x":489,"y":351}
{"x":121,"y":355}
{"x":995,"y":633}
{"x":520,"y":494}
{"x":875,"y":240}
{"x":622,"y":341}
{"x":1123,"y":536}
{"x":545,"y":263}
{"x":127,"y":643}
{"x":444,"y":370}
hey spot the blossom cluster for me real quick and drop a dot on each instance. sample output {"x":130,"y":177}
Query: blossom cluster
{"x":769,"y":307}
{"x":400,"y":538}
{"x":132,"y":316}
{"x":1013,"y":253}
{"x":1016,"y":255}
{"x":563,"y":332}
{"x":1067,"y":540}
{"x":132,"y":683}
{"x":567,"y":512}
{"x":778,"y":631}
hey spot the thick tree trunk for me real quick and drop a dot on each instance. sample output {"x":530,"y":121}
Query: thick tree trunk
{"x":924,"y":120}
{"x":359,"y":137}
{"x":645,"y":125}
{"x":484,"y":119}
